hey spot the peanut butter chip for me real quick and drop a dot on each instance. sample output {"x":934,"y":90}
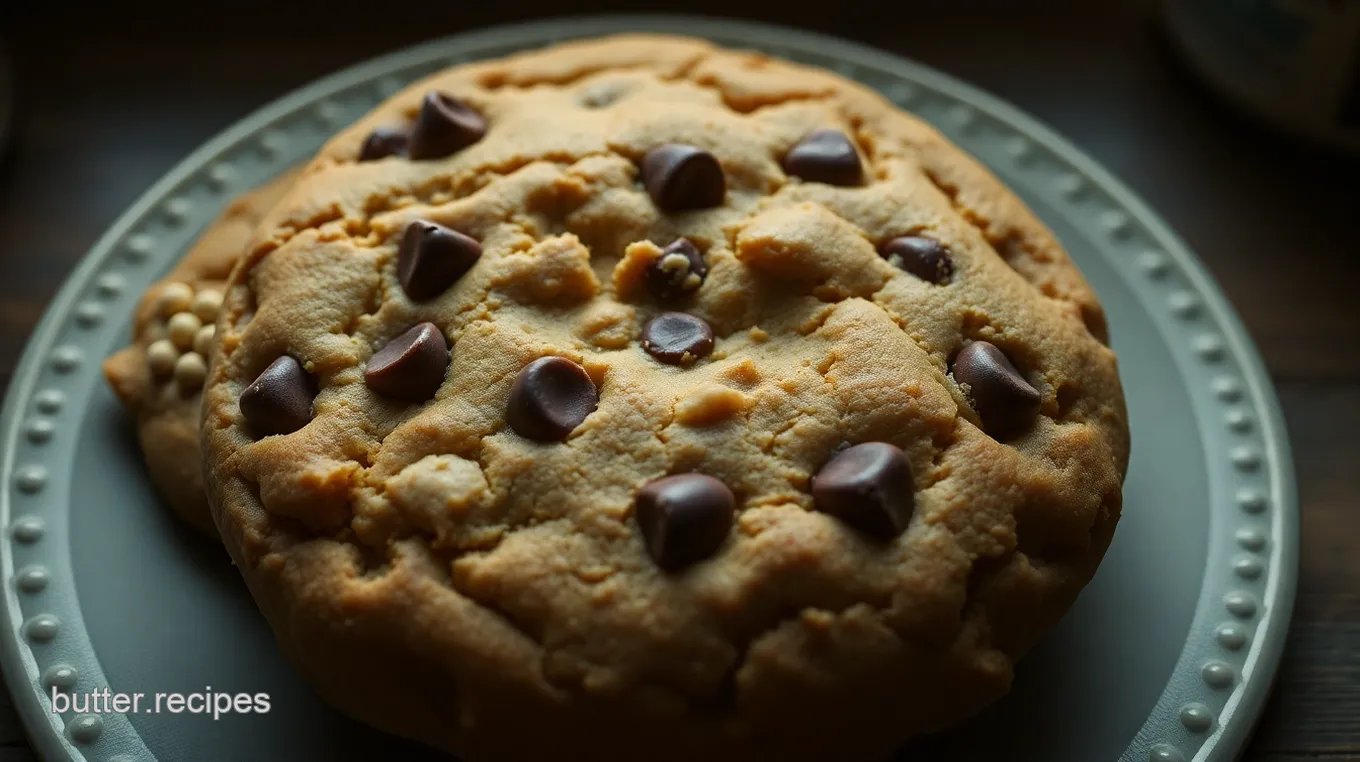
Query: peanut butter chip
{"x":183,"y":328}
{"x":206,"y":304}
{"x":161,"y":357}
{"x":190,"y":370}
{"x":173,"y":298}
{"x":203,"y":340}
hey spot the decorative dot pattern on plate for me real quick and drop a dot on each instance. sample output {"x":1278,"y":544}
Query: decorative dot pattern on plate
{"x":1227,"y":389}
{"x":1196,"y":717}
{"x":1251,"y":539}
{"x":1116,"y":223}
{"x":1071,"y":185}
{"x":220,"y":176}
{"x":1154,"y":263}
{"x":901,"y":93}
{"x":110,"y":285}
{"x":1246,"y":459}
{"x":85,"y":728}
{"x":1217,"y":674}
{"x":66,"y":358}
{"x":41,"y":628}
{"x":1251,"y":500}
{"x":1240,"y":604}
{"x":138,"y":247}
{"x":60,"y":676}
{"x":1248,"y":567}
{"x":177,"y":210}
{"x":1209,"y":347}
{"x":39,"y":430}
{"x":27,"y":530}
{"x":30,"y":478}
{"x":1184,"y":305}
{"x":1238,"y":420}
{"x":1165,"y":753}
{"x":1231,"y":635}
{"x":32,"y":579}
{"x":89,"y":315}
{"x":49,"y":401}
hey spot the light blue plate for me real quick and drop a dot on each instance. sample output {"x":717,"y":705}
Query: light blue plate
{"x":1168,"y":655}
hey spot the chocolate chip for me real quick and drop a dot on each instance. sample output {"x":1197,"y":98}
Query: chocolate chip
{"x":445,"y":125}
{"x":550,"y":397}
{"x":383,"y":142}
{"x":678,"y":271}
{"x":680,"y":177}
{"x":279,"y":400}
{"x":1005,"y":401}
{"x":431,"y":257}
{"x":684,"y":518}
{"x":676,"y":338}
{"x":825,"y":156}
{"x":410,"y":367}
{"x":926,"y":258}
{"x":868,"y":486}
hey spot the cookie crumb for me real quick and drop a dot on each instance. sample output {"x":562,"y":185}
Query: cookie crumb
{"x":710,"y":405}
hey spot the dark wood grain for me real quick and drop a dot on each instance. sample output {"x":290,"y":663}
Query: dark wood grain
{"x":107,"y":103}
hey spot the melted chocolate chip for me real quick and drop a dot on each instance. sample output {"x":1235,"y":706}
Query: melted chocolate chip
{"x":680,"y":177}
{"x":825,"y":156}
{"x":680,"y":270}
{"x":868,"y":486}
{"x":684,"y":518}
{"x":431,"y":257}
{"x":926,"y":258}
{"x":676,"y":338}
{"x":445,"y":125}
{"x":383,"y":142}
{"x":1003,"y":399}
{"x":279,"y":400}
{"x":550,"y":397}
{"x":410,"y":367}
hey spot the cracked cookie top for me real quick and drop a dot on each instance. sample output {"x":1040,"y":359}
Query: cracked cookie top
{"x":637,"y":386}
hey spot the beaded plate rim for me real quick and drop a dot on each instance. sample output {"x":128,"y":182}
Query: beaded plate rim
{"x":1223,"y":675}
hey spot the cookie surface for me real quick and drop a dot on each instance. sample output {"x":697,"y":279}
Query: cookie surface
{"x":641,"y":399}
{"x":159,"y":377}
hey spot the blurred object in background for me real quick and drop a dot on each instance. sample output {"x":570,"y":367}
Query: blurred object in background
{"x":1293,"y":63}
{"x":6,"y":100}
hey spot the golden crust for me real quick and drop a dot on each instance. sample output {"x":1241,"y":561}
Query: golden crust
{"x":168,"y":415}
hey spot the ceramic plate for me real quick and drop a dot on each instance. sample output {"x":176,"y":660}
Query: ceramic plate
{"x":1168,"y":654}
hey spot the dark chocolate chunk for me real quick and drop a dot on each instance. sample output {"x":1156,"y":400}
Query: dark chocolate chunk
{"x":410,"y":367}
{"x":678,"y":271}
{"x":825,"y":156}
{"x":684,"y":518}
{"x":1003,"y":399}
{"x":926,"y":258}
{"x":445,"y":125}
{"x":868,"y":486}
{"x":383,"y":142}
{"x":680,"y":177}
{"x":676,"y":338}
{"x":550,"y":397}
{"x":279,"y":400}
{"x":431,"y":257}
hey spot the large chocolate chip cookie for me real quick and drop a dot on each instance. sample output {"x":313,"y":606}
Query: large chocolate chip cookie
{"x":638,"y":399}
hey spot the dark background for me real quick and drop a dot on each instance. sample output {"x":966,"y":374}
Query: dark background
{"x":108,"y":99}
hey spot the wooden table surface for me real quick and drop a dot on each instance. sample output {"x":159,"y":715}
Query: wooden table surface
{"x":107,"y":103}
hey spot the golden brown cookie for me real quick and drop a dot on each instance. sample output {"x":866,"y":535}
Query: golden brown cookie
{"x":638,"y":399}
{"x":159,"y":377}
